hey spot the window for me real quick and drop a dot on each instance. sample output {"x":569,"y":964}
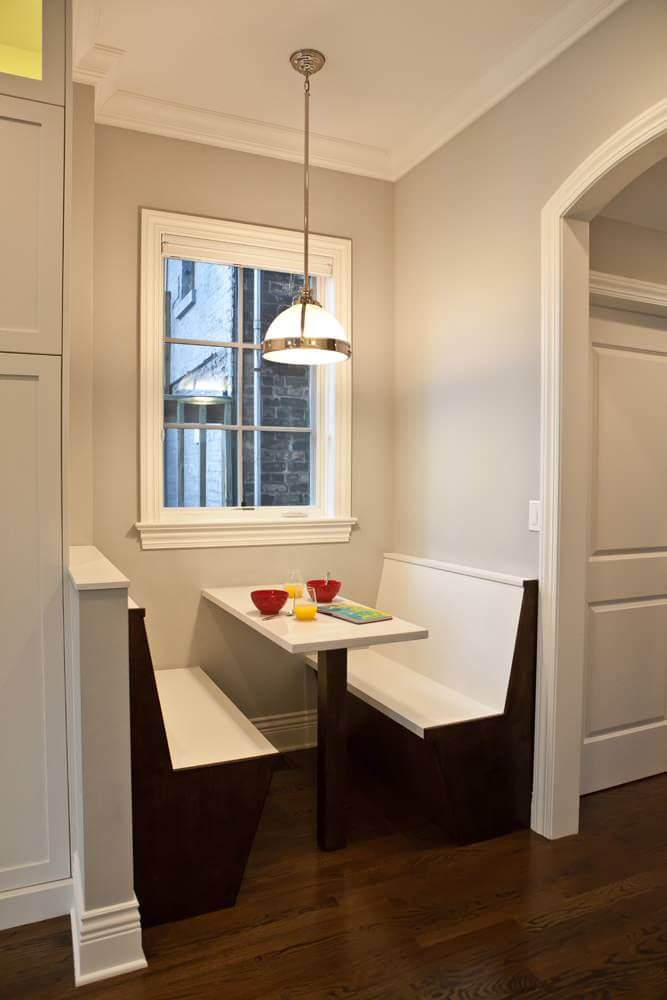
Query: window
{"x":236,"y":450}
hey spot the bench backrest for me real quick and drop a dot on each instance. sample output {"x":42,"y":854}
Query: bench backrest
{"x":472,"y":617}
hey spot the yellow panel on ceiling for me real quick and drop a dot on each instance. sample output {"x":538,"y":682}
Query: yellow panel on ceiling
{"x":21,"y":38}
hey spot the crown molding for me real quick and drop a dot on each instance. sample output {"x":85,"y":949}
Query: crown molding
{"x":570,"y":24}
{"x":125,"y":109}
{"x":97,"y":65}
{"x":620,"y":292}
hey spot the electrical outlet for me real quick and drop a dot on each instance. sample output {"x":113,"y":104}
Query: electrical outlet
{"x":534,"y":515}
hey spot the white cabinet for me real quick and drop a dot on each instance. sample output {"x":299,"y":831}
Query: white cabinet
{"x":22,"y":54}
{"x":34,"y":830}
{"x":31,"y":209}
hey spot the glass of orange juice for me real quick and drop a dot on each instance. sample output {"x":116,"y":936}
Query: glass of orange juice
{"x":295,"y":588}
{"x":305,"y":607}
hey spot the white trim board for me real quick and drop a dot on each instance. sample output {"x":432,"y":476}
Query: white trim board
{"x":35,"y":902}
{"x":105,"y":941}
{"x":210,"y":535}
{"x":617,"y":291}
{"x":290,"y":730}
{"x":90,"y":570}
{"x":479,"y":574}
{"x":99,"y":64}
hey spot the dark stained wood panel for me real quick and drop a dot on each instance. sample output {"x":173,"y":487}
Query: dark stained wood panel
{"x":331,"y":749}
{"x":193,"y":829}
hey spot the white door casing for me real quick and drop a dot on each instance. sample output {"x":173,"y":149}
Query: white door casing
{"x":34,"y":831}
{"x":625,"y":731}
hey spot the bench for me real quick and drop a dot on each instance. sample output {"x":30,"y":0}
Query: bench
{"x":200,"y":775}
{"x":452,"y":716}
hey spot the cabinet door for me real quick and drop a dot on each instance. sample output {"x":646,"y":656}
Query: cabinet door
{"x":31,"y":209}
{"x":34,"y":837}
{"x":25,"y":71}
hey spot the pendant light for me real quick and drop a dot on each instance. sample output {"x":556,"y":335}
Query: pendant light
{"x":305,"y":333}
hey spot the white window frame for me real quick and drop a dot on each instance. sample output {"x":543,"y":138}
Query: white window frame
{"x":167,"y":234}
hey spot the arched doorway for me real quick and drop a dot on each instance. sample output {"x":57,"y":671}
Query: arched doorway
{"x":564,"y":456}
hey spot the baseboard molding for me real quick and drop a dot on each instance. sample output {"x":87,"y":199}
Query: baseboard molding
{"x":35,"y":902}
{"x":290,"y":731}
{"x":106,"y":941}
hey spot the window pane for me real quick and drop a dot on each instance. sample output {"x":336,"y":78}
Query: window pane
{"x":200,"y":384}
{"x":200,"y":468}
{"x":201,"y":300}
{"x":276,"y":395}
{"x":265,"y":294}
{"x":277,"y":469}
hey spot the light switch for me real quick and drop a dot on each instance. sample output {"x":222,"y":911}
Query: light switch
{"x":534,"y":515}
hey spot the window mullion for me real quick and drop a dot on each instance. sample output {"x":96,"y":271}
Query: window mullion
{"x":192,"y":341}
{"x":257,"y":415}
{"x":202,"y":460}
{"x":239,"y":395}
{"x":180,"y":487}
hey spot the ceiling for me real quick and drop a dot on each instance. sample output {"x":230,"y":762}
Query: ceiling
{"x":644,"y":201}
{"x":400,"y":80}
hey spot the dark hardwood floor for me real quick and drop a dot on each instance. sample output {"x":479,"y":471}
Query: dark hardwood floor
{"x":399,"y":914}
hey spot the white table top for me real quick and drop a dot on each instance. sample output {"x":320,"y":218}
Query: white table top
{"x":309,"y":637}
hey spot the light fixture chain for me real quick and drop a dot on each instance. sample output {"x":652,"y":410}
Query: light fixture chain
{"x":306,"y":180}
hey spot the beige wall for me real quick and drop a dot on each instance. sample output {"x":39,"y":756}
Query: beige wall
{"x":132,"y":170}
{"x":81,"y":329}
{"x":467,"y":294}
{"x":633,"y":251}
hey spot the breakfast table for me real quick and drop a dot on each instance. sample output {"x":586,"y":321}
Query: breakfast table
{"x":330,"y":638}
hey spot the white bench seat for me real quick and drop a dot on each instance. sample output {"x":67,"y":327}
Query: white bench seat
{"x":414,"y":701}
{"x":203,"y":726}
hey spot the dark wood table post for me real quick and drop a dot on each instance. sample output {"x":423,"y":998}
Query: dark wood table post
{"x":331,"y":748}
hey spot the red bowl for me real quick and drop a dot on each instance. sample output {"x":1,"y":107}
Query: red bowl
{"x":269,"y":602}
{"x":325,"y":592}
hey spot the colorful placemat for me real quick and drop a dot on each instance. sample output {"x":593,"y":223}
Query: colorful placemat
{"x":357,"y":614}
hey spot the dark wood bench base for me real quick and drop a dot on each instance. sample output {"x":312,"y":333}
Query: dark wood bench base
{"x":474,"y":778}
{"x":193,"y":829}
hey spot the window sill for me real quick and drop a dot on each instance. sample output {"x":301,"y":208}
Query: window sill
{"x":234,"y":534}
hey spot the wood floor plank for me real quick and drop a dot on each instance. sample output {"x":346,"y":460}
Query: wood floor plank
{"x":402,"y":915}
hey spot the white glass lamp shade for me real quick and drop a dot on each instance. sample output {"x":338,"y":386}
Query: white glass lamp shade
{"x":306,"y":334}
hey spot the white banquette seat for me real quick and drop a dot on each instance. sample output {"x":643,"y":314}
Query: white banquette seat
{"x":202,"y":725}
{"x":462,"y":671}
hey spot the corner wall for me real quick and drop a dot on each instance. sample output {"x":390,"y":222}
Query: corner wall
{"x":467,"y":294}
